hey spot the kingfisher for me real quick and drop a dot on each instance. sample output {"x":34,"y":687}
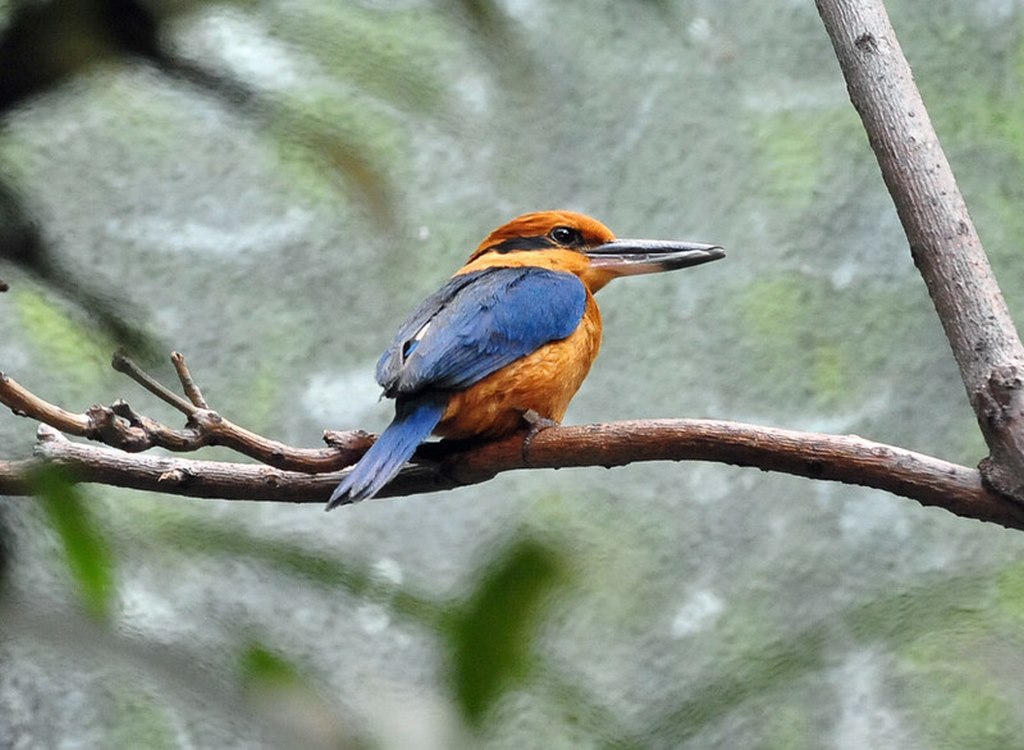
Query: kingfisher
{"x":506,"y":342}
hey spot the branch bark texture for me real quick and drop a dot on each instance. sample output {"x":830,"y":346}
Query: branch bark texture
{"x":306,"y":475}
{"x":943,"y":241}
{"x":843,"y":458}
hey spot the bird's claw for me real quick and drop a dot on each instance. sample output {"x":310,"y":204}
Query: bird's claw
{"x":537,"y":425}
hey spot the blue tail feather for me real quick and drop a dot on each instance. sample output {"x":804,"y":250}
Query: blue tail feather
{"x":414,"y":420}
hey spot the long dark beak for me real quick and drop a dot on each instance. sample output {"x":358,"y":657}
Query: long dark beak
{"x":629,"y":257}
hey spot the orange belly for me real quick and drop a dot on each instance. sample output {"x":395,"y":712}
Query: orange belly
{"x":544,"y":381}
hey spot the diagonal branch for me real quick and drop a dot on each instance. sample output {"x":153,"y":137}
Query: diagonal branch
{"x":943,"y":241}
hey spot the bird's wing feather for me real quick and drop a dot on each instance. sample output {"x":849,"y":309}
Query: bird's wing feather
{"x":476,"y":324}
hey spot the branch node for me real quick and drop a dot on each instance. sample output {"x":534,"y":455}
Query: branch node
{"x":122,"y":409}
{"x":207,"y":417}
{"x":123,"y":364}
{"x":47,"y":434}
{"x":177,"y":477}
{"x":866,"y":42}
{"x":350,"y":440}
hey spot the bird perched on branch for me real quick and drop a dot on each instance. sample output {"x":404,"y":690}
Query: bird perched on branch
{"x":507,"y":340}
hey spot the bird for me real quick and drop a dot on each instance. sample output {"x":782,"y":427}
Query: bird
{"x":507,"y":341}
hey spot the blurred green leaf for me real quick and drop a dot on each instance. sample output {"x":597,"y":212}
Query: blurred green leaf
{"x":487,"y":18}
{"x":88,"y":557}
{"x":280,"y":692}
{"x":491,"y":635}
{"x":261,"y":667}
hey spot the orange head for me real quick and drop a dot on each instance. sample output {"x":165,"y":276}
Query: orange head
{"x":574,"y":243}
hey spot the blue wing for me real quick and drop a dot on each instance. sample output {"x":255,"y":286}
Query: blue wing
{"x":476,"y":324}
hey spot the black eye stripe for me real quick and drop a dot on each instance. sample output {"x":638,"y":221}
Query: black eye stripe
{"x":523,"y":243}
{"x":557,"y":237}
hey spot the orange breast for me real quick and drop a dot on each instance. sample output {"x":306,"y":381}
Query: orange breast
{"x":545,"y":381}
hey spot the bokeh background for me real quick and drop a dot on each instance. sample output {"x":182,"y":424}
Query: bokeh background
{"x":270,"y":187}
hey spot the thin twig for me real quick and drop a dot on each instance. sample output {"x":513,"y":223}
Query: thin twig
{"x":122,"y":363}
{"x":188,"y":385}
{"x":122,"y":427}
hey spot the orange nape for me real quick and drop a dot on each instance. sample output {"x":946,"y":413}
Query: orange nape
{"x":515,"y":330}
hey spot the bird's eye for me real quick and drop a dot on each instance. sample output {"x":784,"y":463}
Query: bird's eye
{"x":566,"y":236}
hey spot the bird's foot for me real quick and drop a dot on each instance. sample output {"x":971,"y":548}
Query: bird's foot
{"x":537,"y":424}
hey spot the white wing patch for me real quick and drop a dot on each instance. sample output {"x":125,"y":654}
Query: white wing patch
{"x":410,"y":346}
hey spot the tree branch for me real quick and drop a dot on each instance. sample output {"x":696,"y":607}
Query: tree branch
{"x":306,"y":475}
{"x":943,"y":241}
{"x":122,"y":427}
{"x":849,"y":459}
